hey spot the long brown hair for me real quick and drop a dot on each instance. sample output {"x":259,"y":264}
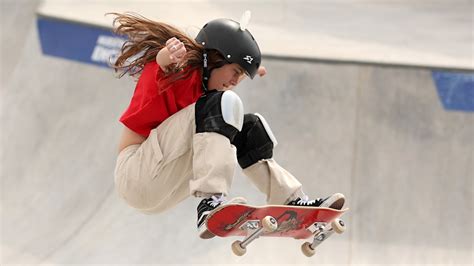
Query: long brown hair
{"x":145,"y":38}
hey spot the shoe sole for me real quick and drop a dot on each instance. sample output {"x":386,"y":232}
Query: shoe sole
{"x":336,"y":201}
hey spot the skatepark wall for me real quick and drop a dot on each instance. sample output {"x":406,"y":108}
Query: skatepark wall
{"x":394,"y":133}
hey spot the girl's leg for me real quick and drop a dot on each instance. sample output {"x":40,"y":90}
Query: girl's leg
{"x":255,"y":151}
{"x":154,"y":176}
{"x":279,"y":185}
{"x":219,"y":117}
{"x":188,"y":154}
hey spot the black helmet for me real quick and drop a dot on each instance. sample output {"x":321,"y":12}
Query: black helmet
{"x":235,"y":45}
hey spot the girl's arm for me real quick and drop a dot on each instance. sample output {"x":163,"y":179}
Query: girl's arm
{"x":172,"y":53}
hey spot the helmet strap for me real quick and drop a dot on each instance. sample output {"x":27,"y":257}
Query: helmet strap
{"x":205,"y":72}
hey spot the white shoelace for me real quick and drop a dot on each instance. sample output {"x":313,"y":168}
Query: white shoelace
{"x":305,"y":200}
{"x":216,"y":200}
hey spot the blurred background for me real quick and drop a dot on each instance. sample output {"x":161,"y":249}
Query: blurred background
{"x":373,"y":99}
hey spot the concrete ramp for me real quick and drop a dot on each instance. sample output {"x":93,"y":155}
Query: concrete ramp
{"x":378,"y":134}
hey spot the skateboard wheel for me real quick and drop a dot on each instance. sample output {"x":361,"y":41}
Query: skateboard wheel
{"x":307,"y":250}
{"x":338,"y":226}
{"x":269,"y":224}
{"x":238,"y":249}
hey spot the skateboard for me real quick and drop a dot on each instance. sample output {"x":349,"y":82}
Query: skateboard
{"x":296,"y":222}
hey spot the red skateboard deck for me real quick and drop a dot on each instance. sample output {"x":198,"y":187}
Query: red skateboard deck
{"x":293,"y":221}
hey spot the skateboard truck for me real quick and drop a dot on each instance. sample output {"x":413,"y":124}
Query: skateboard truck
{"x":268,"y":225}
{"x":321,"y":232}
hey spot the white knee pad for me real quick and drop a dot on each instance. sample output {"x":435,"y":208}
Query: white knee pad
{"x":268,"y":129}
{"x":232,"y":109}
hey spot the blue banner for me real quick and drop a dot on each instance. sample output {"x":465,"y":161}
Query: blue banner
{"x":79,"y":42}
{"x":455,"y":90}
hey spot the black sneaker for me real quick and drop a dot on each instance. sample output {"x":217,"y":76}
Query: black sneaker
{"x":335,"y":201}
{"x":206,"y":206}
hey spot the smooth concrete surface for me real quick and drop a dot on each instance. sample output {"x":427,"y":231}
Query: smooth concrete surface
{"x":377,"y":134}
{"x":403,"y":32}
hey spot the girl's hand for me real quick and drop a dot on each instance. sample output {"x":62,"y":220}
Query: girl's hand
{"x":173,"y":53}
{"x":176,"y":50}
{"x":262,"y":71}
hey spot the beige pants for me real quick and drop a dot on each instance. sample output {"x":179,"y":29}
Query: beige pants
{"x":174,"y":163}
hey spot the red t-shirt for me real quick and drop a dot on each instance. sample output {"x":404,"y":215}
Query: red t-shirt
{"x":149,"y":108}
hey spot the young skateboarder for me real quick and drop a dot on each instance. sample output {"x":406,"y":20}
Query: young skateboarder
{"x":185,"y":128}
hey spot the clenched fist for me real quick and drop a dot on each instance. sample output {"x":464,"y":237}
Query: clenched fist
{"x":173,"y":53}
{"x":176,"y":49}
